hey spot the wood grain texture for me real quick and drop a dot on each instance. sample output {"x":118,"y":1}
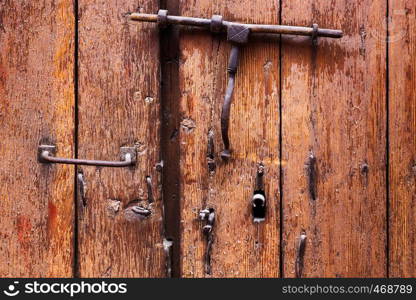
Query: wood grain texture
{"x":240,"y":248}
{"x":119,"y":105}
{"x":334,"y":109}
{"x":36,"y":106}
{"x":402,"y":137}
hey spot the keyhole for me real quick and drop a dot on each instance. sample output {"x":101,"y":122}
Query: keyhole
{"x":259,"y":206}
{"x":258,"y":201}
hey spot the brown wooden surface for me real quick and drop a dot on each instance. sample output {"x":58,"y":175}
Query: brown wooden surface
{"x":36,"y":106}
{"x":119,"y":105}
{"x":402,"y":133}
{"x":240,"y":248}
{"x":96,"y":85}
{"x":334,"y":108}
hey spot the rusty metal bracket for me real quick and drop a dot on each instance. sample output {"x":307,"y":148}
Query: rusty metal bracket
{"x":315,"y":34}
{"x":300,"y":253}
{"x":46,"y":155}
{"x":162,"y":18}
{"x":208,"y":215}
{"x":237,"y":34}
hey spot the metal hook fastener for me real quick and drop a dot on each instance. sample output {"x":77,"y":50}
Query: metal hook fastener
{"x":46,"y":155}
{"x":237,"y":34}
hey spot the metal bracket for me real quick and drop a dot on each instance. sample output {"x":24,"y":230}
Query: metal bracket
{"x":315,"y":31}
{"x":216,"y":24}
{"x":208,"y":215}
{"x":237,"y":33}
{"x":46,"y":155}
{"x":162,"y":18}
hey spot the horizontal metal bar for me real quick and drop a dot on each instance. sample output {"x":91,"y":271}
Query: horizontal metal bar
{"x":255,"y":28}
{"x":46,"y":155}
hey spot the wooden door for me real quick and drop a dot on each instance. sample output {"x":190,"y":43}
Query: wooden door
{"x":334,"y":141}
{"x":328,"y":125}
{"x":118,"y":105}
{"x":37,"y":44}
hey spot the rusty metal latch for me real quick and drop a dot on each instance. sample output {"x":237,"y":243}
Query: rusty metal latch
{"x":208,"y":215}
{"x":237,"y":34}
{"x":46,"y":154}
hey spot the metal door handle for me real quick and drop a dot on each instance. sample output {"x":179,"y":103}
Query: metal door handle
{"x":127,"y":155}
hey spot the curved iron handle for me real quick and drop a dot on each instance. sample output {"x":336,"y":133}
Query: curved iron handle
{"x":237,"y":35}
{"x":225,"y":113}
{"x":46,"y":155}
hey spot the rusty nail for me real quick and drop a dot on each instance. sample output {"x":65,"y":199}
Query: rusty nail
{"x":208,"y":215}
{"x":300,"y":255}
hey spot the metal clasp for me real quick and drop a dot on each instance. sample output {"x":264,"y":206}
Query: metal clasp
{"x":237,"y":34}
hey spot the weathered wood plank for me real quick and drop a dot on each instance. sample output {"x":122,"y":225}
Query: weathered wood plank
{"x":402,"y":133}
{"x":119,"y":105}
{"x":36,"y":106}
{"x":240,"y":248}
{"x":334,"y":140}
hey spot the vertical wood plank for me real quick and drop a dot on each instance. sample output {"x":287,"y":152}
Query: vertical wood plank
{"x":334,"y":140}
{"x":402,"y":137}
{"x":240,"y":248}
{"x":36,"y":106}
{"x":119,"y":105}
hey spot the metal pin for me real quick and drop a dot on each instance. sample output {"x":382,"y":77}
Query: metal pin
{"x":300,"y":255}
{"x":82,"y":187}
{"x":159,"y":166}
{"x":150,"y":197}
{"x":208,"y":215}
{"x":211,"y":153}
